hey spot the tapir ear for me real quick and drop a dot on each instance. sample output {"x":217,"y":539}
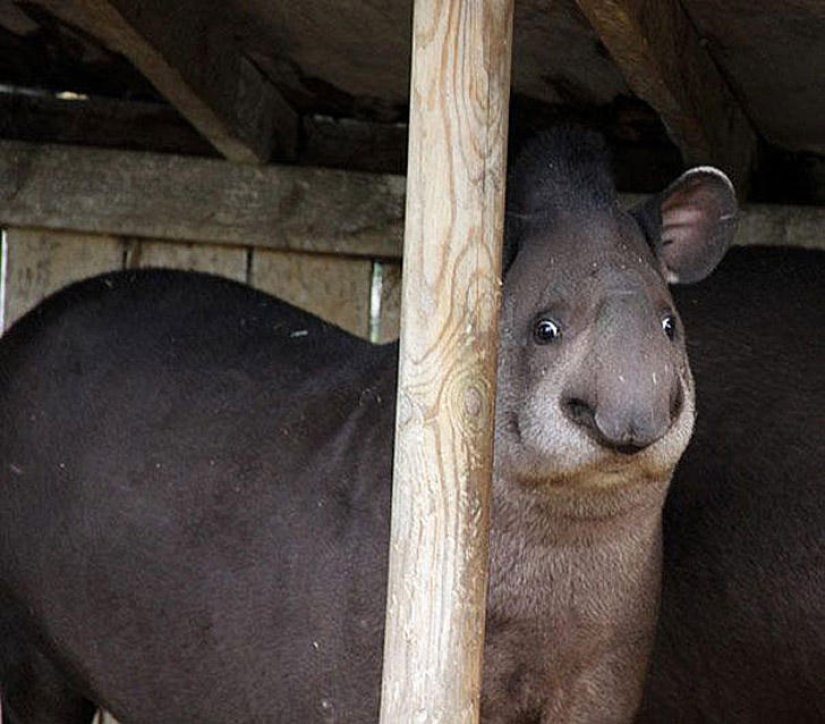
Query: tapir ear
{"x":691,"y":223}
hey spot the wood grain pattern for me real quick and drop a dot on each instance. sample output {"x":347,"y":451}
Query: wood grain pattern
{"x":167,"y":197}
{"x":181,"y":199}
{"x":450,"y":291}
{"x":336,"y":289}
{"x":661,"y":57}
{"x":226,"y":261}
{"x":41,"y":262}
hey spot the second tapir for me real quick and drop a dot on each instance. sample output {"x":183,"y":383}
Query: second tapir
{"x":195,"y":477}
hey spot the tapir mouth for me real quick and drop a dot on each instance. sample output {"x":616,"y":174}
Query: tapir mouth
{"x":630,"y":449}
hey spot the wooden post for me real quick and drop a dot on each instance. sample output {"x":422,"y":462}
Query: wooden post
{"x":449,"y":335}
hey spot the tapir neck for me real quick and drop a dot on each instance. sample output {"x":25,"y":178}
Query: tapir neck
{"x":588,"y":592}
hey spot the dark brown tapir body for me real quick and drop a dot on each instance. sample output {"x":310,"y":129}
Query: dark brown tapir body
{"x":195,"y":480}
{"x":741,"y":635}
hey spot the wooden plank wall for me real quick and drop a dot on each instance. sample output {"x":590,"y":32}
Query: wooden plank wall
{"x":336,"y":288}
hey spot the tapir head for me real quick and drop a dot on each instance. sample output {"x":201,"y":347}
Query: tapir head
{"x":593,"y":373}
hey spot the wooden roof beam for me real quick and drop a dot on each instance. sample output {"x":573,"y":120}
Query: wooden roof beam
{"x":187,"y":51}
{"x":663,"y":60}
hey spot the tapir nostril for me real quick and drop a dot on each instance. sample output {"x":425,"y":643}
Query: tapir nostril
{"x":677,"y":400}
{"x":579,"y":412}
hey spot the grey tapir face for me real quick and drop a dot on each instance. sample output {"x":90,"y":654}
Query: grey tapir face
{"x":593,"y":374}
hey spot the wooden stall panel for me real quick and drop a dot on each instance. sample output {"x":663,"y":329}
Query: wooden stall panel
{"x":41,"y":262}
{"x":226,"y":261}
{"x":335,"y":288}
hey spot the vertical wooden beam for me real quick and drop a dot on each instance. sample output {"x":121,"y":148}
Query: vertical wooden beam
{"x":449,"y":336}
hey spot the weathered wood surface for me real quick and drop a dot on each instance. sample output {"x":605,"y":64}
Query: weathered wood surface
{"x":41,"y":262}
{"x":773,"y":225}
{"x":662,"y":59}
{"x":227,"y":261}
{"x":187,"y":51}
{"x":209,"y":201}
{"x":449,"y":333}
{"x":184,"y":199}
{"x":336,"y":289}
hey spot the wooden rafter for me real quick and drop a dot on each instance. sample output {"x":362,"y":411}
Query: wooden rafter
{"x":664,"y":62}
{"x":186,"y":50}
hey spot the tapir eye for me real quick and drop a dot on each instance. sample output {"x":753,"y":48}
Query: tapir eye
{"x":669,"y":325}
{"x":546,"y":330}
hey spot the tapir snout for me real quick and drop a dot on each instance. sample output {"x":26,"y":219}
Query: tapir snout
{"x":630,"y":392}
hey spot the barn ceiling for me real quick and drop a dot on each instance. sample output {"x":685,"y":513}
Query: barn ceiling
{"x":740,"y":83}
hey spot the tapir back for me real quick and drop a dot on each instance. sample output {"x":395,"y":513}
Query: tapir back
{"x":164,"y":418}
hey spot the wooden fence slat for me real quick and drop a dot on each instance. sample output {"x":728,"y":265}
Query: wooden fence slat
{"x":335,"y":288}
{"x":227,"y":261}
{"x":449,"y":336}
{"x":41,"y":262}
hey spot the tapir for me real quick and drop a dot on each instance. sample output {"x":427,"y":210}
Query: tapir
{"x":195,"y":477}
{"x":741,"y":636}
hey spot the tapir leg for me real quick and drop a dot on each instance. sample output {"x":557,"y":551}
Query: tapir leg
{"x":32,"y":689}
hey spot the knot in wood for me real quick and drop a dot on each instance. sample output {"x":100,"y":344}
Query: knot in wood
{"x":473,"y":402}
{"x":470,"y":402}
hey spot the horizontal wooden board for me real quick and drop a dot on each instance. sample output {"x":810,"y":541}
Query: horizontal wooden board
{"x":768,"y":225}
{"x":175,"y":198}
{"x":207,"y":200}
